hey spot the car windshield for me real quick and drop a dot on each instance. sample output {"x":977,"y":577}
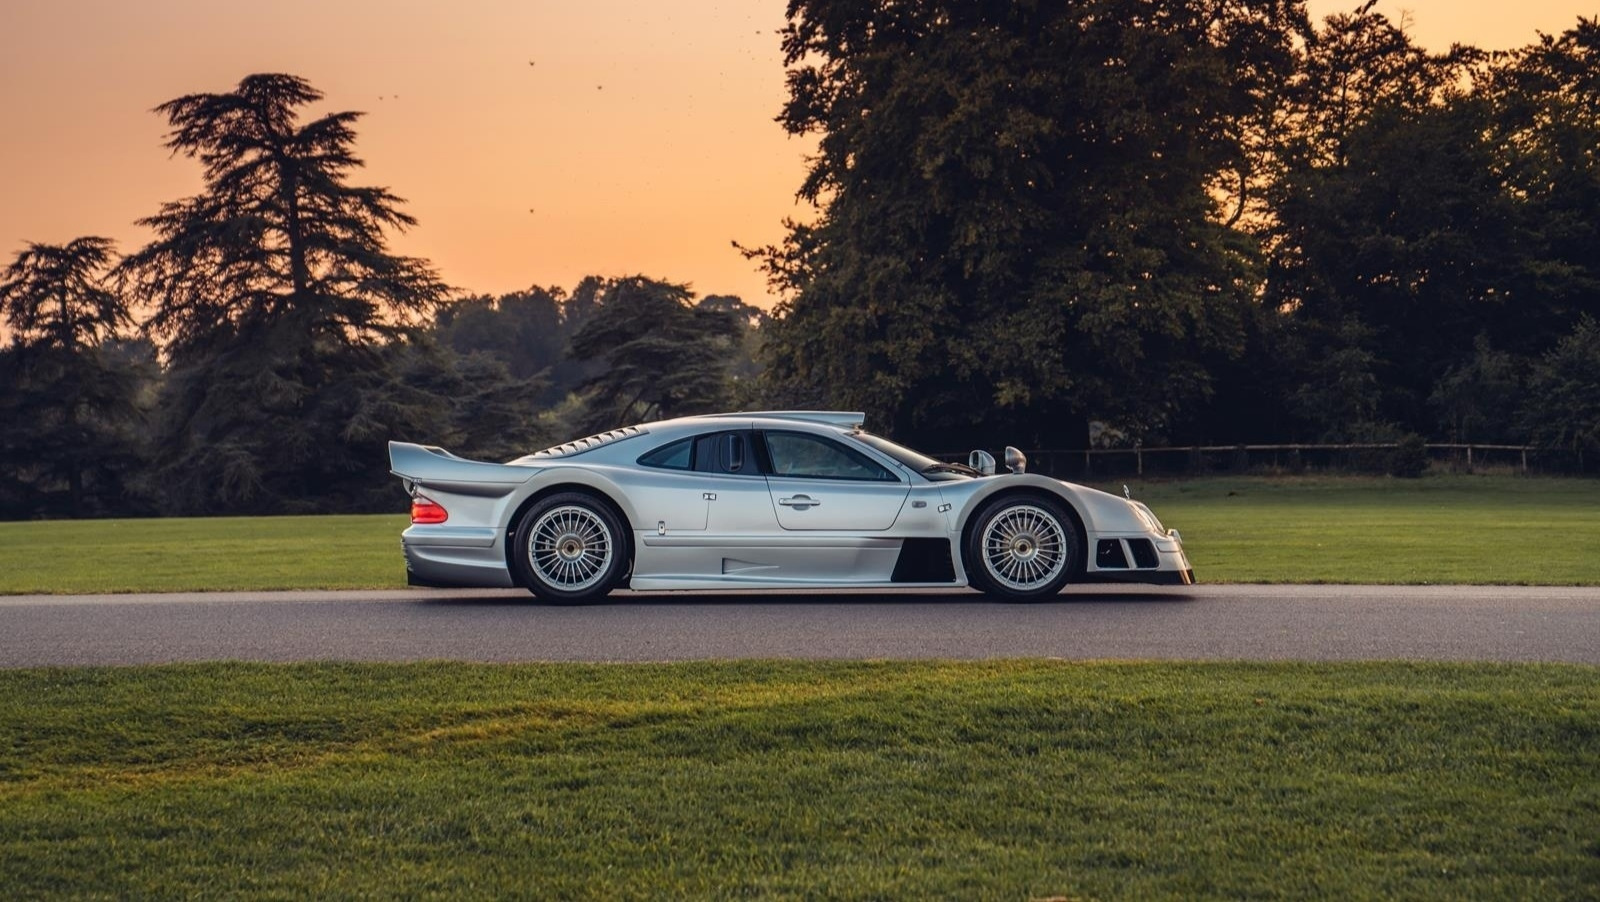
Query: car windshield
{"x":914,"y":460}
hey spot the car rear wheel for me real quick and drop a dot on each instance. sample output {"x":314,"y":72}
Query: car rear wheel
{"x":570,"y":548}
{"x":1022,"y":548}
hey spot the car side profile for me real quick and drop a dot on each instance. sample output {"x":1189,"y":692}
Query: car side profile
{"x":765,"y":500}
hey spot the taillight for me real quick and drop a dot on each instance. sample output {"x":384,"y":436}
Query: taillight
{"x":425,"y":510}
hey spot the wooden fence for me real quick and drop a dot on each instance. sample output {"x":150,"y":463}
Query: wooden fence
{"x":1193,"y":459}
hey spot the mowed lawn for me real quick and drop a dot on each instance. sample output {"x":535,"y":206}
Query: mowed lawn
{"x":1492,"y":530}
{"x":1440,"y":529}
{"x":1004,"y":780}
{"x":201,"y":554}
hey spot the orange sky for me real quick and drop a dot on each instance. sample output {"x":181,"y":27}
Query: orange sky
{"x":538,"y":141}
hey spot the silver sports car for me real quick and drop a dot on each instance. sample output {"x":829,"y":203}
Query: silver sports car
{"x":765,"y":500}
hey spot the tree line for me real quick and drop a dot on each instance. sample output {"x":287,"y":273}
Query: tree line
{"x":282,"y":344}
{"x":1189,"y":222}
{"x":1168,"y":222}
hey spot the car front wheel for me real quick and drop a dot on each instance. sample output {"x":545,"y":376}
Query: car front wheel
{"x":570,"y":548}
{"x":1022,"y":548}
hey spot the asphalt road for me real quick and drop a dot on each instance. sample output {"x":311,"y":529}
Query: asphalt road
{"x":1322,"y":623}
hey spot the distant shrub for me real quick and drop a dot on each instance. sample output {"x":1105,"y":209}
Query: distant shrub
{"x":1409,"y":459}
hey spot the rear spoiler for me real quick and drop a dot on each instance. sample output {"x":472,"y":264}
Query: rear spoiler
{"x":434,"y":467}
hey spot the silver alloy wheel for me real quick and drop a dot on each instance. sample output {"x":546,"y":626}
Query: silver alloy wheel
{"x":569,"y":548}
{"x":1024,"y":547}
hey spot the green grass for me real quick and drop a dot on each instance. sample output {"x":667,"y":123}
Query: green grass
{"x":199,"y":554}
{"x":1441,"y":529}
{"x":1503,"y":530}
{"x":1005,"y":780}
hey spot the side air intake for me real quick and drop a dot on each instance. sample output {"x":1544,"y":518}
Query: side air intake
{"x":1108,"y":555}
{"x":1144,"y":554}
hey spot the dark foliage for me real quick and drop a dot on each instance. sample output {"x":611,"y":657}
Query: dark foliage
{"x":661,"y":355}
{"x":277,"y":302}
{"x":1018,"y":224}
{"x":70,"y":391}
{"x":1161,"y":221}
{"x":1564,"y":398}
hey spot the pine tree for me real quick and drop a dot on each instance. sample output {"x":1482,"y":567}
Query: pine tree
{"x":275,"y":296}
{"x":68,"y":392}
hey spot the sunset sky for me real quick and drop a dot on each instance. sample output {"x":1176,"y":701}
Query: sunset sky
{"x":538,"y":141}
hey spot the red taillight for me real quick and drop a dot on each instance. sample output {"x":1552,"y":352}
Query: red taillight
{"x":424,"y":510}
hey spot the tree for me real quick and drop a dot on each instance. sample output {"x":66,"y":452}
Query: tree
{"x":1564,"y":393}
{"x":524,"y":329}
{"x":744,"y":364}
{"x":476,"y":407}
{"x":275,"y":295}
{"x":1018,"y":225}
{"x":1547,"y":102}
{"x":69,"y":394}
{"x":1341,"y":395}
{"x":1392,"y":241}
{"x":662,"y":355}
{"x":1477,"y":400}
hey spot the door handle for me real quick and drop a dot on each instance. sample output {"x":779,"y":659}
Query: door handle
{"x":800,"y":502}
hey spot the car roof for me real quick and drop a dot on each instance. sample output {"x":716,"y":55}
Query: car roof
{"x":761,"y":419}
{"x":849,"y":419}
{"x":821,"y":420}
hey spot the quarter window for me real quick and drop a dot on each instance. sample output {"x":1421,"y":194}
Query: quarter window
{"x":676,"y":455}
{"x":797,"y":454}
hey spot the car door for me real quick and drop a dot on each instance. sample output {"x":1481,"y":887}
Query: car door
{"x":818,"y":483}
{"x":738,"y":504}
{"x":713,"y":483}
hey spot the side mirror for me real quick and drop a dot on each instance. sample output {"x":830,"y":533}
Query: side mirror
{"x":982,"y":461}
{"x":1016,"y":461}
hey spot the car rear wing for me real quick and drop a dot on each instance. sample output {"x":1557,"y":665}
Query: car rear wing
{"x":433,"y":467}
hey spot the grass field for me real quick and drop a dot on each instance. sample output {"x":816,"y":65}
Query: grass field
{"x":1442,"y":529}
{"x":1010,"y":780}
{"x":198,"y":554}
{"x":1492,"y":530}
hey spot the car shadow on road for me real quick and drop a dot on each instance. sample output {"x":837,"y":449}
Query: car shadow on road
{"x":1086,"y":596}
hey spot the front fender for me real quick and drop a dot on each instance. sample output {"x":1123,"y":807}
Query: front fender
{"x":1098,"y":512}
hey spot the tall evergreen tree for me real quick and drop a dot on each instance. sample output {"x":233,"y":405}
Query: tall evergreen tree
{"x":69,"y":398}
{"x":274,"y":293}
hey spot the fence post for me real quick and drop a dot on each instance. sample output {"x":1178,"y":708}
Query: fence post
{"x":1469,"y":458}
{"x":1138,"y":457}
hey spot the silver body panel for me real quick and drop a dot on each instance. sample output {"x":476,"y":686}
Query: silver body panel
{"x":701,"y":530}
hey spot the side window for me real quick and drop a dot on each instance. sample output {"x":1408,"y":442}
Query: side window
{"x":809,"y":456}
{"x":672,"y":456}
{"x":725,"y":452}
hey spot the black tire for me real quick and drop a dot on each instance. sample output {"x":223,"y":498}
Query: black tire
{"x":570,"y":548}
{"x":1022,"y":548}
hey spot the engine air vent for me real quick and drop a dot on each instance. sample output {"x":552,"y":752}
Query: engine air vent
{"x":589,"y":442}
